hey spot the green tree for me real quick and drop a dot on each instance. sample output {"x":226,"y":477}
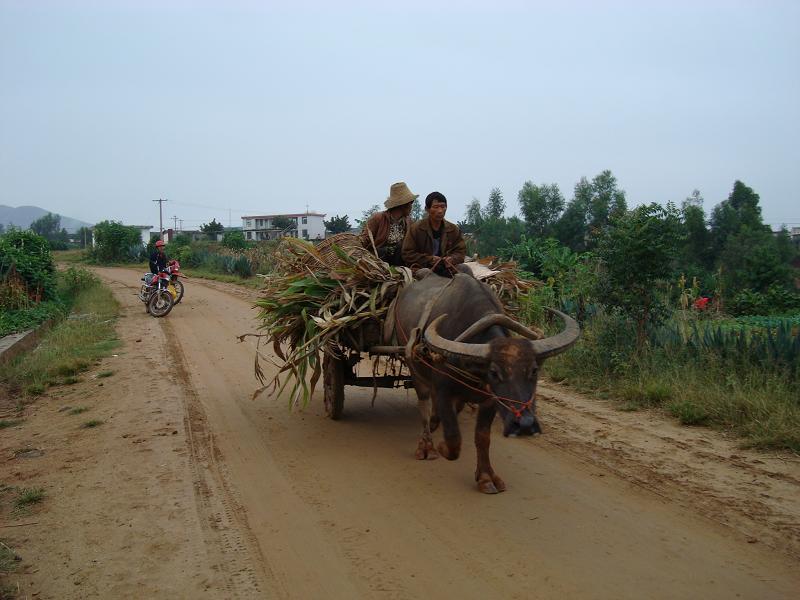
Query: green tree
{"x":637,"y":253}
{"x":338,"y":224}
{"x":741,"y":209}
{"x":115,"y":242}
{"x":570,"y":229}
{"x":541,"y":206}
{"x":416,"y":209}
{"x":234,"y":240}
{"x":496,"y":233}
{"x":607,"y":202}
{"x":212,"y":229}
{"x":495,"y":205}
{"x":696,"y":255}
{"x":48,"y":226}
{"x":2,"y":229}
{"x":752,"y":259}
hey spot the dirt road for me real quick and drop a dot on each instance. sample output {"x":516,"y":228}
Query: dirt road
{"x":200,"y":491}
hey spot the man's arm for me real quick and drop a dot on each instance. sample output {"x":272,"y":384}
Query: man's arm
{"x":458,"y":249}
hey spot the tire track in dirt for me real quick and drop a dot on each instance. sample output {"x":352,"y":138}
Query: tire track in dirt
{"x":225,"y":526}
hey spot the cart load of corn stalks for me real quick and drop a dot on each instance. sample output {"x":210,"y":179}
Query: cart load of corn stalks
{"x":316,"y":292}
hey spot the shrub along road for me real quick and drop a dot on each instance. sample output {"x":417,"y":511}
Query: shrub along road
{"x":190,"y":488}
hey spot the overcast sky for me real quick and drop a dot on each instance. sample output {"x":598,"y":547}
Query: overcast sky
{"x":266,"y":107}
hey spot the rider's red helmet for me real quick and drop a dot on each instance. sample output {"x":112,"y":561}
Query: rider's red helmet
{"x":160,"y":244}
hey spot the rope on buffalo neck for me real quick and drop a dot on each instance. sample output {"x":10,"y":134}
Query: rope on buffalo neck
{"x":502,"y":400}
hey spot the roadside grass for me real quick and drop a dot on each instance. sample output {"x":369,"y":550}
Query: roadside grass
{"x":69,"y":348}
{"x":73,"y":257}
{"x":103,"y":374}
{"x":5,"y":423}
{"x":27,"y":497}
{"x":723,"y":391}
{"x":77,"y":410}
{"x":92,"y":424}
{"x":8,"y":560}
{"x":251,"y":282}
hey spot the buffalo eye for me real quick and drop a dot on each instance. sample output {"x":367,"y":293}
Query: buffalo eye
{"x":494,"y":374}
{"x":533,"y":372}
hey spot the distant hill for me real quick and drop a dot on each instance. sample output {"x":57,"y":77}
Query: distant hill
{"x":23,"y":216}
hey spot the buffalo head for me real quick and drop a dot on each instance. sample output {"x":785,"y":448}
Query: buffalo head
{"x":508,"y":368}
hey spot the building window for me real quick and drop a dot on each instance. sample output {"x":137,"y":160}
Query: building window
{"x":305,"y":233}
{"x":305,"y":220}
{"x":249,"y":235}
{"x":249,"y":223}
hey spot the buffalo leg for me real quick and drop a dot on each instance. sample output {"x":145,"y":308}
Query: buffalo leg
{"x":488,"y":481}
{"x":450,"y":448}
{"x":425,"y":447}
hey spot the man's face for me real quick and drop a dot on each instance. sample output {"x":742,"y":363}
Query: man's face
{"x":437,"y":211}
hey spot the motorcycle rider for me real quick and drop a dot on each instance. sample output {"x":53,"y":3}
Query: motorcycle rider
{"x":158,"y":259}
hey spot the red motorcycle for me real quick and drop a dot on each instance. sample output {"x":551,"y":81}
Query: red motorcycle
{"x":157,"y":293}
{"x":174,"y":268}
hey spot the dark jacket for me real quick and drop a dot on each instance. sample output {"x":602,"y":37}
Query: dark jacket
{"x":158,"y":262}
{"x":418,"y":245}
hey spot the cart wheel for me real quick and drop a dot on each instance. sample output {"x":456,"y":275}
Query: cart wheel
{"x":333,"y":378}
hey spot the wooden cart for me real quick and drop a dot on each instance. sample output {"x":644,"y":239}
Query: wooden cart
{"x":337,"y":372}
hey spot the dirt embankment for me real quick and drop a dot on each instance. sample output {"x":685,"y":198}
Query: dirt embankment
{"x":192,"y":489}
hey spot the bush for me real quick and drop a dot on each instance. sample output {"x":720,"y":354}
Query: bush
{"x":115,"y":242}
{"x":234,"y":240}
{"x":27,"y":271}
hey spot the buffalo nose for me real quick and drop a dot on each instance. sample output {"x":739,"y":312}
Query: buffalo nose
{"x":526,"y":423}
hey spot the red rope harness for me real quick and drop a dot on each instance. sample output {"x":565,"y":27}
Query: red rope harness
{"x":502,"y":400}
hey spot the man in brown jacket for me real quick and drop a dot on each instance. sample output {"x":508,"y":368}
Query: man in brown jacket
{"x":432,"y":242}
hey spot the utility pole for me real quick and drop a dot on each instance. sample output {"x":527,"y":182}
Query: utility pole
{"x":160,"y":218}
{"x":175,"y":222}
{"x":181,"y":222}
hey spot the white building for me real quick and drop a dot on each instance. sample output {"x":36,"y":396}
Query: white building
{"x":144,"y":231}
{"x":308,"y":226}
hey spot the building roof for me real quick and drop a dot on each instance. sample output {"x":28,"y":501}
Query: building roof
{"x":304,"y":214}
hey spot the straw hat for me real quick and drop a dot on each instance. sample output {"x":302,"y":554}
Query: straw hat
{"x":399,"y":194}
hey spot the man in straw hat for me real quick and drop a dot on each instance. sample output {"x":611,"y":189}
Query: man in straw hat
{"x":433,"y":243}
{"x":388,"y":228}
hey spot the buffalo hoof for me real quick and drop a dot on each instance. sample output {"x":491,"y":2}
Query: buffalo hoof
{"x":426,"y":451}
{"x":491,"y":484}
{"x":447,"y":452}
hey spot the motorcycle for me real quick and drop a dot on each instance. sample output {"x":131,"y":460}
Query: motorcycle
{"x":158,"y":293}
{"x":174,"y":273}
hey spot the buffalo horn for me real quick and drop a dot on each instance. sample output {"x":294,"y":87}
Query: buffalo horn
{"x":437,"y":343}
{"x":503,"y":321}
{"x":560,"y":342}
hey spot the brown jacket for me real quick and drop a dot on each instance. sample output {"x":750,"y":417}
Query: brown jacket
{"x":378,"y":224}
{"x":418,"y":245}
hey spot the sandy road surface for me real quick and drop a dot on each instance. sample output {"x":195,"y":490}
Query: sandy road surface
{"x":246,"y":500}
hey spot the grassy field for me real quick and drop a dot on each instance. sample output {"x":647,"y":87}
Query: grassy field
{"x":744,"y":381}
{"x":68,"y":349}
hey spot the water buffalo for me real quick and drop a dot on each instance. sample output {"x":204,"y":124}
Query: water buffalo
{"x":469,"y":357}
